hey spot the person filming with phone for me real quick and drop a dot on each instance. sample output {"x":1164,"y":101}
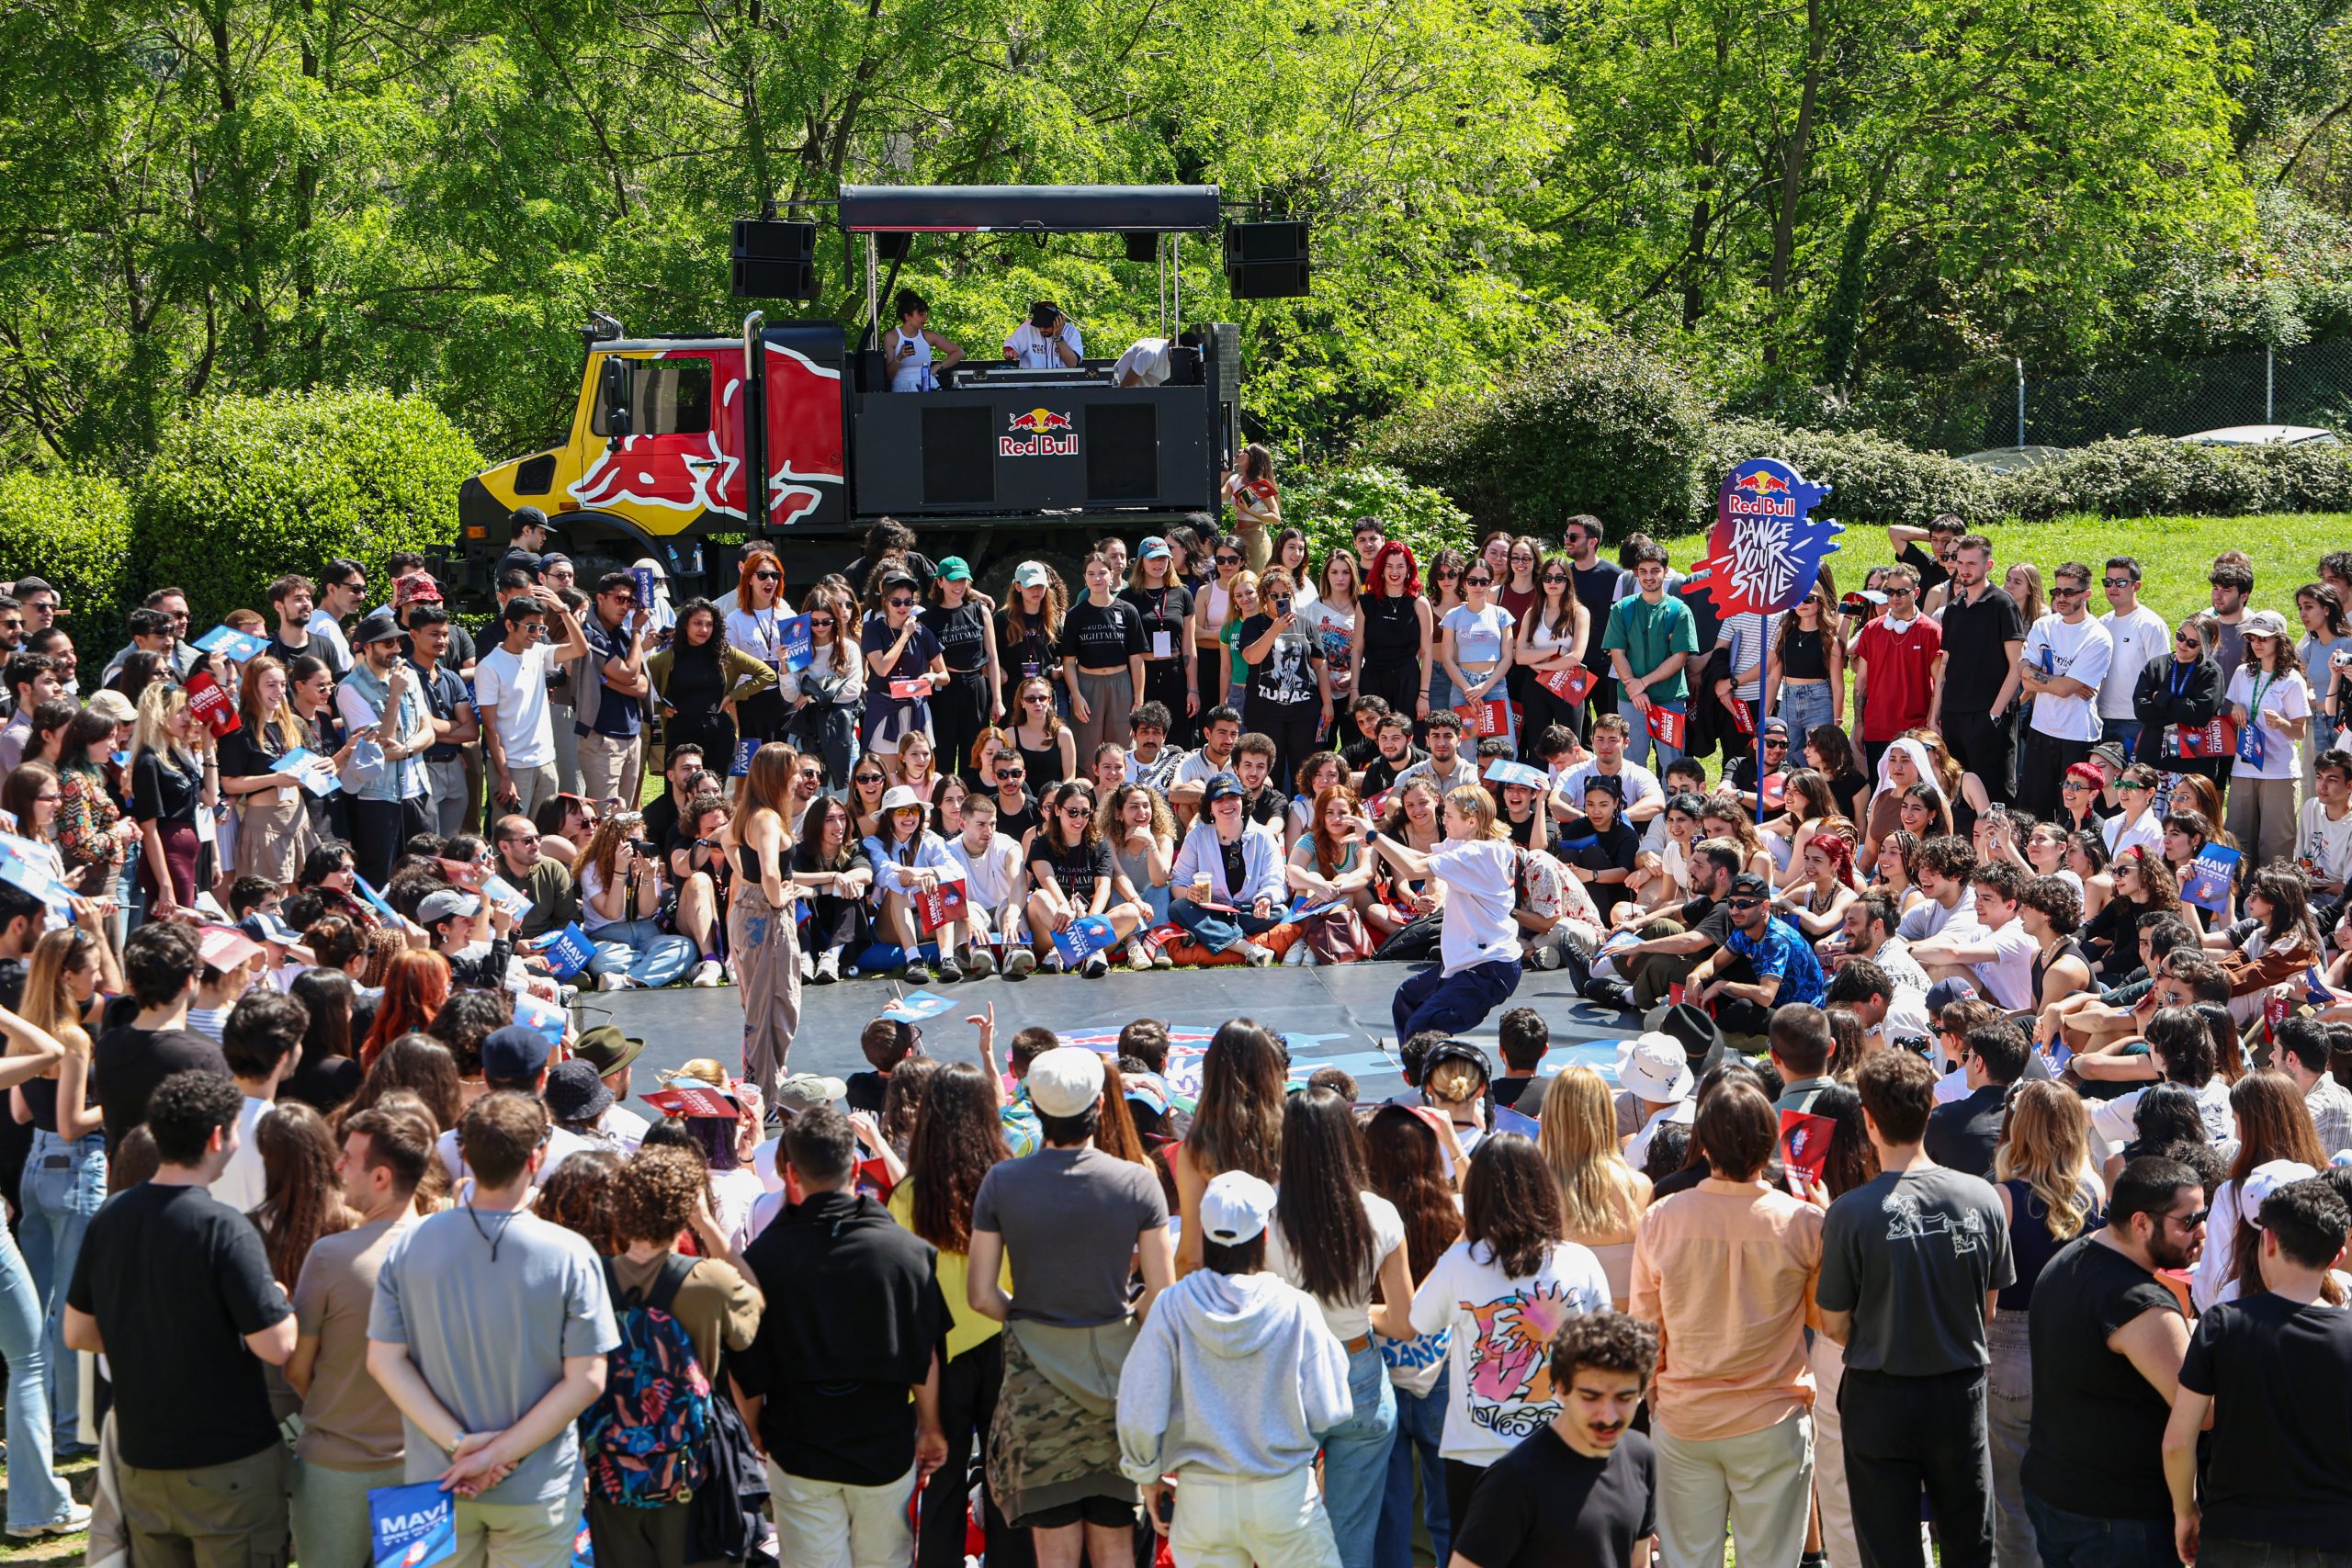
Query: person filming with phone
{"x":915,"y":353}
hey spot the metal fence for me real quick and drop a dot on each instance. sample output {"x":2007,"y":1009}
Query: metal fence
{"x":2010,"y":406}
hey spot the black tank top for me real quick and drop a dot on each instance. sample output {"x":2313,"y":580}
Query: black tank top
{"x":2031,"y":1246}
{"x":1391,"y":632}
{"x":1802,"y":659}
{"x":1044,"y":767}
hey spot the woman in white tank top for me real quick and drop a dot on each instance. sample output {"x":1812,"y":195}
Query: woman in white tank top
{"x":909,"y":348}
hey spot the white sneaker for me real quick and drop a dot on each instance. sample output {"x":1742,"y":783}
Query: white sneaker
{"x":829,"y":967}
{"x":707,"y":973}
{"x":612,"y":982}
{"x":76,"y":1520}
{"x":808,"y":965}
{"x":1256,"y":957}
{"x":1296,"y":957}
{"x":1312,"y":958}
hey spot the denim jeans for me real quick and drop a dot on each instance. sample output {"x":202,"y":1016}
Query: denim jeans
{"x":2124,"y":732}
{"x":1356,"y":1459}
{"x":1218,"y":931}
{"x":1803,"y":708}
{"x":642,"y":951}
{"x":2008,"y":1420}
{"x":2075,"y":1540}
{"x":1640,"y":747}
{"x":64,"y":1183}
{"x":1421,"y":1423}
{"x":1454,"y":1003}
{"x":35,"y":1495}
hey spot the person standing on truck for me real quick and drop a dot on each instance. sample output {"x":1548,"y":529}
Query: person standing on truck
{"x":1046,"y":339}
{"x":915,"y":353}
{"x":901,"y":655}
{"x":610,"y":688}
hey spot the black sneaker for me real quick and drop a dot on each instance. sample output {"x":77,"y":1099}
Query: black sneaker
{"x":918,"y":973}
{"x":1609,"y":993}
{"x":949,"y":971}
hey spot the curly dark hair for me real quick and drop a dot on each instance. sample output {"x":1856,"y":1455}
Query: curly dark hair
{"x":654,"y":1195}
{"x":1612,"y":1341}
{"x":958,"y":1140}
{"x":1238,"y":1125}
{"x":1511,"y":1204}
{"x":582,"y":1194}
{"x":1320,"y":1203}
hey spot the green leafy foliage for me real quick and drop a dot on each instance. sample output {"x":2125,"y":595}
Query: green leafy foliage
{"x":250,"y":488}
{"x":1326,"y":504}
{"x":1874,"y":478}
{"x":73,"y":530}
{"x":1594,"y":424}
{"x":2147,"y":476}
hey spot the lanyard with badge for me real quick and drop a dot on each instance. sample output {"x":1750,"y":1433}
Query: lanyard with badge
{"x":2253,"y":745}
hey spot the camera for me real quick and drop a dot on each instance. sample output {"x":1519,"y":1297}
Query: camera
{"x":1915,"y":1043}
{"x":644,"y":847}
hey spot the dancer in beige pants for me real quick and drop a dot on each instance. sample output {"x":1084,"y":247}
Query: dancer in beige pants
{"x":760,"y":934}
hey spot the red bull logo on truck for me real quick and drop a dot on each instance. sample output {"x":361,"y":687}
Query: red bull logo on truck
{"x":1765,"y":549}
{"x":703,"y":471}
{"x":1036,"y":435}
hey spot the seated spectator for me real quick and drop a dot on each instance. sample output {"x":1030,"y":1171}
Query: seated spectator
{"x":700,"y":871}
{"x":621,"y":886}
{"x":829,"y":860}
{"x":1963,"y":1134}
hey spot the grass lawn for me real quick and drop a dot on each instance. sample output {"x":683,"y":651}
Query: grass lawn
{"x":2173,"y":553}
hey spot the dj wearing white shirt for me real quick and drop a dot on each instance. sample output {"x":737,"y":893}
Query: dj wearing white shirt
{"x":1046,"y":339}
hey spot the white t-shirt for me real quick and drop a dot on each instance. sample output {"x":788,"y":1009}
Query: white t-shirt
{"x":1501,"y":1388}
{"x":240,"y":1184}
{"x":1683,"y":1112}
{"x":1479,"y":635}
{"x":1753,"y":632}
{"x":989,"y":876}
{"x":1930,"y":918}
{"x":329,"y":630}
{"x":1199,"y":767}
{"x":2287,"y":696}
{"x":1031,"y":347}
{"x":2327,"y":845}
{"x":516,"y":685}
{"x":2117,"y":1120}
{"x":755,"y":633}
{"x":1636,"y":784}
{"x":2135,"y":638}
{"x":1332,"y":629}
{"x":2007,"y":977}
{"x":2146,"y":829}
{"x":1148,"y":358}
{"x":2080,"y":652}
{"x":1351,"y":1319}
{"x":1480,"y":892}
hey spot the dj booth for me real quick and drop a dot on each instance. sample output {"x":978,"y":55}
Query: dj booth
{"x":1003,"y":438}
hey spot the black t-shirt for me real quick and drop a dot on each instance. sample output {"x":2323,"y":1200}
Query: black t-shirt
{"x":1380,"y":773}
{"x":249,"y":752}
{"x":177,"y":1279}
{"x":161,"y":792}
{"x":1101,"y":636}
{"x":1932,"y":573}
{"x":963,"y":634}
{"x":131,"y":1062}
{"x":1506,"y":1090}
{"x":1708,"y":919}
{"x":1264,"y":807}
{"x":2280,"y":1376}
{"x":867,"y":1092}
{"x":1163,"y":611}
{"x":1074,"y":871}
{"x":1285,"y":678}
{"x":1963,"y":1133}
{"x":1019,"y":658}
{"x":322,"y":1083}
{"x":1596,"y":587}
{"x":1975,"y":661}
{"x":2098,"y":1424}
{"x":1546,"y":1506}
{"x":1596,"y":850}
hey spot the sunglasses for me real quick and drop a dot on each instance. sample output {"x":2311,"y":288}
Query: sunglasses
{"x":2062,"y":591}
{"x":767,"y":577}
{"x":2074,"y":783}
{"x":869,"y":778}
{"x":1004,"y":773}
{"x":2115,"y":581}
{"x":2127,"y":784}
{"x":821,"y":620}
{"x":1479,"y":582}
{"x":1444,"y":572}
{"x":902,"y":604}
{"x":1229,"y":561}
{"x":2189,"y":1221}
{"x":1741,"y":903}
{"x":1555,"y":577}
{"x":1078,"y":813}
{"x":2186,"y":639}
{"x":1895,"y":592}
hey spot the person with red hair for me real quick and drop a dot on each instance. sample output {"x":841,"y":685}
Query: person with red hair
{"x":1390,"y":647}
{"x":756,"y":627}
{"x":1817,"y":901}
{"x":414,"y":987}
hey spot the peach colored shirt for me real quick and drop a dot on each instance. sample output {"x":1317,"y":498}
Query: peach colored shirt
{"x":1726,"y":1271}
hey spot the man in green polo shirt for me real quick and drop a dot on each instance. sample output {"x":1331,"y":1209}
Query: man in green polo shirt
{"x":1651,"y":636}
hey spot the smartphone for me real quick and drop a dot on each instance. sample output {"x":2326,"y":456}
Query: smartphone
{"x":1282,"y":604}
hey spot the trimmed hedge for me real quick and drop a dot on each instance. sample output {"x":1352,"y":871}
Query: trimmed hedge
{"x":253,"y":487}
{"x":2149,"y":476}
{"x":73,"y":530}
{"x":1874,"y":480}
{"x":1595,"y":424}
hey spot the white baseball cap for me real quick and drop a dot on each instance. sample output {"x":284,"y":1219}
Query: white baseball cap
{"x":1236,"y":1208}
{"x":1066,"y":1080}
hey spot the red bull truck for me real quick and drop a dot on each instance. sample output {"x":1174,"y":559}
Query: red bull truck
{"x":683,"y":448}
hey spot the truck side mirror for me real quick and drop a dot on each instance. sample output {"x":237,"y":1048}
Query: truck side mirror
{"x":613,"y":390}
